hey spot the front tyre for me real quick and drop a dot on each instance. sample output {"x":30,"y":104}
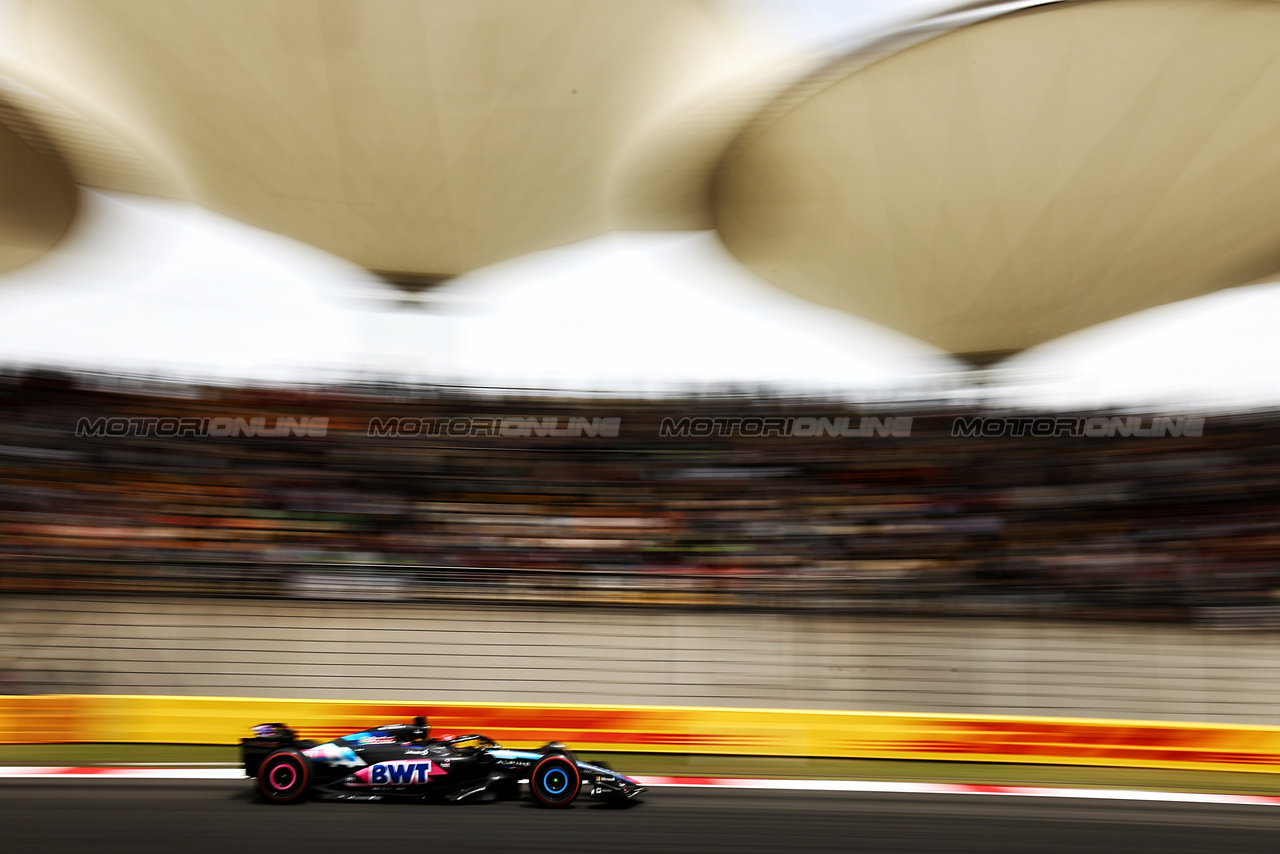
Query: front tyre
{"x":283,"y":777}
{"x":555,"y":781}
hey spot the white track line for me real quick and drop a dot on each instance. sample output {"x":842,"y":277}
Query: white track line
{"x":882,"y":786}
{"x":68,"y":773}
{"x":895,"y":787}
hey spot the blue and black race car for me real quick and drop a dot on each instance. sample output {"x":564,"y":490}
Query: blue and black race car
{"x":403,"y":761}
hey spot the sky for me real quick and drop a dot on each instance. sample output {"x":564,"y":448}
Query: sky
{"x":155,"y":286}
{"x":829,"y":23}
{"x":152,"y":286}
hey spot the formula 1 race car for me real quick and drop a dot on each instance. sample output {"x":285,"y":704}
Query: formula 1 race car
{"x":403,"y":761}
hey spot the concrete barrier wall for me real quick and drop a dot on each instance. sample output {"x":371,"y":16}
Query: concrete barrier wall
{"x":415,"y":653}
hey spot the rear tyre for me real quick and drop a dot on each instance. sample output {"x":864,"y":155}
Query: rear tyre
{"x":555,"y":781}
{"x":283,"y":777}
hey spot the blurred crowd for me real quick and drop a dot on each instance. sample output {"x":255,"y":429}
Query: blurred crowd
{"x":1127,"y":527}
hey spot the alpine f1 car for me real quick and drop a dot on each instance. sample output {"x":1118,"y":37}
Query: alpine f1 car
{"x":403,"y":761}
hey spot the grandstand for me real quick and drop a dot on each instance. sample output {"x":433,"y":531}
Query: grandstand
{"x":430,"y":493}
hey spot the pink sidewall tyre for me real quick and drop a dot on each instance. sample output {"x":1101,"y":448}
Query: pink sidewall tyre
{"x":283,"y":777}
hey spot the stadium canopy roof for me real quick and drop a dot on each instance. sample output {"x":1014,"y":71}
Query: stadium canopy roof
{"x":986,"y":179}
{"x":37,"y":193}
{"x":425,"y":138}
{"x":990,"y":183}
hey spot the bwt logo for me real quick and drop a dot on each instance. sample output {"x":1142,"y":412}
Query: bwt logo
{"x":513,"y":426}
{"x":785,"y":426}
{"x":1092,"y":427}
{"x":179,"y":426}
{"x":406,"y":773}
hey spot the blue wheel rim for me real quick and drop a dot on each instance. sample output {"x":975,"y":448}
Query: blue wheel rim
{"x":555,"y":781}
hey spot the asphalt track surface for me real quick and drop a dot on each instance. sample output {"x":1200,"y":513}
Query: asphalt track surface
{"x":188,"y":817}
